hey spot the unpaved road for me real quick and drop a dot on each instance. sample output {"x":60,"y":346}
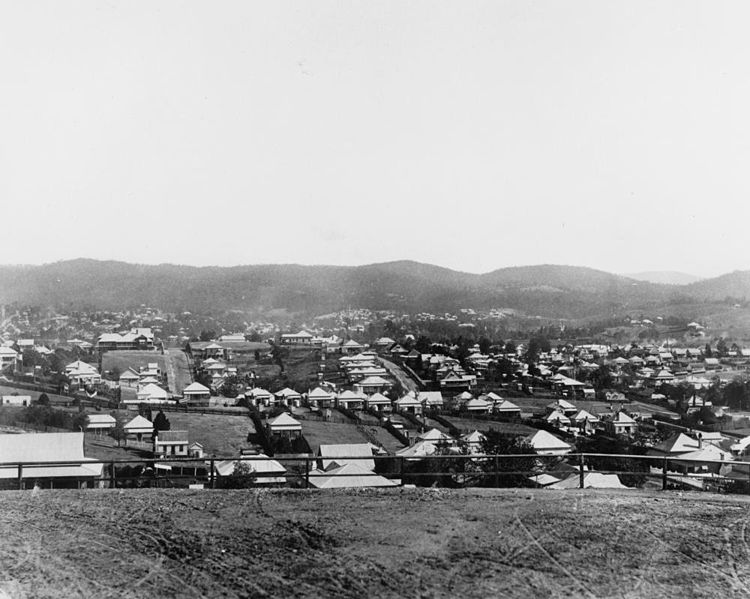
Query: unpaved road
{"x":367,"y":543}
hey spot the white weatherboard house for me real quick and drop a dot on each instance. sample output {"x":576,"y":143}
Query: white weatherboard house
{"x":100,"y":422}
{"x":338,"y":454}
{"x":196,"y":392}
{"x":267,"y":471}
{"x":15,"y":400}
{"x":545,"y":443}
{"x":78,"y":471}
{"x":285,"y":425}
{"x":139,"y":426}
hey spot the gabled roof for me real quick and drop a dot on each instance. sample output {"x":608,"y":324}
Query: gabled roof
{"x":436,"y":436}
{"x":374,"y":380}
{"x":139,"y":423}
{"x":172,"y":436}
{"x":582,"y":415}
{"x":287,"y":392}
{"x":474,"y":437}
{"x":339,"y":452}
{"x":285,"y":422}
{"x":350,"y":396}
{"x":196,"y":388}
{"x":347,"y":476}
{"x":557,"y":416}
{"x":47,"y":447}
{"x":153,"y":391}
{"x":378,"y":399}
{"x":506,"y":406}
{"x":100,"y":419}
{"x":678,"y":443}
{"x":129,"y":375}
{"x":319,"y":393}
{"x":542,"y":440}
{"x":623,"y":418}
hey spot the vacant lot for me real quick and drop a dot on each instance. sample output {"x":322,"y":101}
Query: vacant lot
{"x":468,"y":425}
{"x":320,"y":433}
{"x":122,"y":360}
{"x":389,"y":543}
{"x":219,"y":435}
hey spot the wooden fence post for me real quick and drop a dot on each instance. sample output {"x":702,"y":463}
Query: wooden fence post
{"x":664,"y":475}
{"x":307,"y":473}
{"x":581,"y":482}
{"x":497,"y":472}
{"x":112,"y":475}
{"x":20,"y":477}
{"x":212,"y":475}
{"x":401,"y":470}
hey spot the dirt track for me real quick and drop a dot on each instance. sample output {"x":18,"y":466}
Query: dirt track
{"x":394,"y":543}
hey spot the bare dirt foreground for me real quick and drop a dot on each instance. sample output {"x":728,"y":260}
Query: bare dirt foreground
{"x":388,"y":543}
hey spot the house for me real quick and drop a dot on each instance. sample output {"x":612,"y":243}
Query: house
{"x":287,"y":396}
{"x":258,"y":396}
{"x":266,"y":471}
{"x":284,"y":425}
{"x":507,"y":409}
{"x":78,"y":471}
{"x":351,"y":348}
{"x":81,"y":373}
{"x":301,"y":338}
{"x":544,"y":443}
{"x":474,"y":441}
{"x":378,"y":401}
{"x":372,"y":384}
{"x":195,"y":450}
{"x":151,"y":393}
{"x":436,"y":436}
{"x":100,"y":422}
{"x":129,"y":378}
{"x":478,"y":406}
{"x":171,"y":444}
{"x":431,"y":399}
{"x":591,"y":480}
{"x":135,"y":339}
{"x":558,"y":419}
{"x":621,"y":424}
{"x":584,"y":420}
{"x":15,"y":400}
{"x":320,"y":398}
{"x":677,"y":444}
{"x":347,"y":476}
{"x":195,"y":393}
{"x":408,"y":403}
{"x":9,"y":358}
{"x":361,"y":454}
{"x":563,"y":406}
{"x":138,"y":427}
{"x":350,"y":400}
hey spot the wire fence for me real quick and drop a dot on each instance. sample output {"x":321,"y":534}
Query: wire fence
{"x":571,"y":471}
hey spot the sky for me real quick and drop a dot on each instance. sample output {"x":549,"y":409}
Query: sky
{"x":472,"y":135}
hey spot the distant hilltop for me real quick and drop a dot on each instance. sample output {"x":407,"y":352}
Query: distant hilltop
{"x":665,"y":277}
{"x":552,"y":291}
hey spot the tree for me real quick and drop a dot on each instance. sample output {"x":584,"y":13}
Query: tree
{"x":721,"y":348}
{"x":242,"y":477}
{"x":509,"y":472}
{"x":207,"y":335}
{"x":161,"y":423}
{"x":538,"y":344}
{"x":510,"y":347}
{"x":230,"y":387}
{"x":43,"y":400}
{"x":118,"y":432}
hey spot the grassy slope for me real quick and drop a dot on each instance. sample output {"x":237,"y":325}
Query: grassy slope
{"x":391,"y":543}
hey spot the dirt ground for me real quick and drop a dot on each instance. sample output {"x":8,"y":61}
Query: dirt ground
{"x":373,"y":543}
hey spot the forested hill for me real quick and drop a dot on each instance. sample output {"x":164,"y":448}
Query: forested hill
{"x":546,"y":290}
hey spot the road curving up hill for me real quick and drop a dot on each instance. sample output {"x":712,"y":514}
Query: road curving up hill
{"x":385,"y":543}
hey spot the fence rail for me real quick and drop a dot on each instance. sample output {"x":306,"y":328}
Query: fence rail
{"x":516,"y":470}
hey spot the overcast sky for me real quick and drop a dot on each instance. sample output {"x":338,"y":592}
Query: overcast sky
{"x":473,"y":135}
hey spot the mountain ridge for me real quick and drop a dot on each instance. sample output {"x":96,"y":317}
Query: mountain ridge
{"x":549,"y":290}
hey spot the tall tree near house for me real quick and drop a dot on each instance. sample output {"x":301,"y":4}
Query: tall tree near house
{"x":161,"y":423}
